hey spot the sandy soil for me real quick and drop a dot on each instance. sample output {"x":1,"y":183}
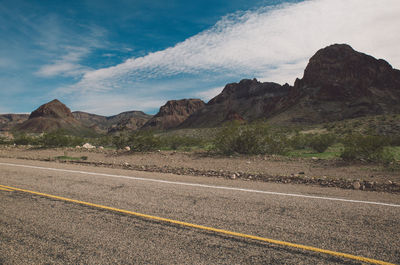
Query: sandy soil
{"x":266,"y":168}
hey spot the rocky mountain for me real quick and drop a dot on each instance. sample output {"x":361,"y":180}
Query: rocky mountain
{"x":52,"y":116}
{"x":8,"y":121}
{"x":173,"y":113}
{"x":338,"y":83}
{"x":242,"y":101}
{"x":130,"y":120}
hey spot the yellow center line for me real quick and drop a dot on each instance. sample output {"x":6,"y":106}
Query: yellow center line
{"x":4,"y":189}
{"x":216,"y":230}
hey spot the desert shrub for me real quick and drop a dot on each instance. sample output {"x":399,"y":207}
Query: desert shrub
{"x":24,"y":139}
{"x":60,"y":139}
{"x":394,"y":140}
{"x":120,"y":141}
{"x":249,"y":139}
{"x":3,"y":140}
{"x":143,"y":141}
{"x":366,"y":147}
{"x":176,"y":142}
{"x":106,"y":140}
{"x":300,"y":141}
{"x":321,"y":142}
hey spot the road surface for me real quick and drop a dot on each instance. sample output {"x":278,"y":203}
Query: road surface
{"x":37,"y":229}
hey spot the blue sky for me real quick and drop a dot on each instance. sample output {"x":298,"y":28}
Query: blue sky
{"x":106,"y":57}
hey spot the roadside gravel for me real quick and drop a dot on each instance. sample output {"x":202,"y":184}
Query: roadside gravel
{"x":327,"y":173}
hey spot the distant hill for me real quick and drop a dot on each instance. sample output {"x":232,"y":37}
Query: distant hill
{"x":173,"y":113}
{"x":8,"y":121}
{"x":53,"y":116}
{"x":339,"y":83}
{"x":129,"y":120}
{"x":243,"y":101}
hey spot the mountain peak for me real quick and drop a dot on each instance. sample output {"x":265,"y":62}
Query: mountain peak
{"x":53,"y":109}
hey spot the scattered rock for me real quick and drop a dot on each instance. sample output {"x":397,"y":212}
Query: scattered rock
{"x":356,"y":185}
{"x":127,"y":148}
{"x":101,"y":147}
{"x":88,"y":146}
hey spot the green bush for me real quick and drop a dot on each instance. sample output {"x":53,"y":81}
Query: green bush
{"x":60,"y":139}
{"x":180,"y":142}
{"x":366,"y":147}
{"x":321,"y":142}
{"x":3,"y":140}
{"x":120,"y":141}
{"x":144,"y":141}
{"x":24,"y":139}
{"x":249,"y":139}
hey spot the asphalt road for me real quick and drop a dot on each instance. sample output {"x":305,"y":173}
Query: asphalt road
{"x":39,"y":230}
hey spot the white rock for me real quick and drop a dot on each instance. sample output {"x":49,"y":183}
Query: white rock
{"x":77,"y":147}
{"x":127,"y":148}
{"x":101,"y":147}
{"x":88,"y":146}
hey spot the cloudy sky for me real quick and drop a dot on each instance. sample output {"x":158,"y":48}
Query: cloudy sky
{"x":106,"y":57}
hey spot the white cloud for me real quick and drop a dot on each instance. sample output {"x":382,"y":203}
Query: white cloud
{"x":257,"y":43}
{"x":270,"y":44}
{"x":66,"y":65}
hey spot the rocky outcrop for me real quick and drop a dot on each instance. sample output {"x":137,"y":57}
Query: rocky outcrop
{"x":245,"y":100}
{"x":340,"y":83}
{"x":173,"y":113}
{"x":53,"y":109}
{"x":127,"y":121}
{"x":52,"y":116}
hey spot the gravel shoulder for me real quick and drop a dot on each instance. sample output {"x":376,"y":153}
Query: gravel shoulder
{"x":327,"y":173}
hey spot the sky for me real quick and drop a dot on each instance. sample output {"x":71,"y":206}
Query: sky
{"x":106,"y":57}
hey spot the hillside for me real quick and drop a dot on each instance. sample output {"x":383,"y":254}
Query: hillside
{"x":173,"y":113}
{"x":129,"y":120}
{"x":53,"y":116}
{"x":338,"y":83}
{"x":8,"y":121}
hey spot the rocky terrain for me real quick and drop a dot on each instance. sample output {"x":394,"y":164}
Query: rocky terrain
{"x":173,"y":113}
{"x":52,"y":116}
{"x":8,"y":121}
{"x":311,"y":171}
{"x":242,"y":101}
{"x":129,"y":120}
{"x":338,"y":83}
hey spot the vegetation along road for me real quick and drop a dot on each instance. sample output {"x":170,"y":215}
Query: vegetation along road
{"x":113,"y":218}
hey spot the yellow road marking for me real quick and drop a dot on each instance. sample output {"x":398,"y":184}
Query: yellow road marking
{"x":216,"y":230}
{"x":4,"y":189}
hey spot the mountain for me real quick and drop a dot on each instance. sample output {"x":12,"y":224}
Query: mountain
{"x":338,"y":83}
{"x":130,"y":120}
{"x":173,"y":113}
{"x":8,"y":121}
{"x":241,"y":101}
{"x":52,"y":116}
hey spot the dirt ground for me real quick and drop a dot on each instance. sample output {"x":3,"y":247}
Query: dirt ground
{"x":332,"y":173}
